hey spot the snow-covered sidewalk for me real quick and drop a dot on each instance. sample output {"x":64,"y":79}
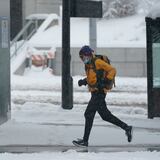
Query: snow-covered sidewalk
{"x":41,"y":123}
{"x":73,"y":155}
{"x":48,"y":124}
{"x":18,"y":133}
{"x":38,"y":123}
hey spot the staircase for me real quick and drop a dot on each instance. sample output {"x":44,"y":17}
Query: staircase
{"x":36,"y":24}
{"x":23,"y":36}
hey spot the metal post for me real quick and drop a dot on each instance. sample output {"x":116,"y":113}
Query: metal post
{"x":4,"y":61}
{"x":149,"y":68}
{"x":16,"y":17}
{"x":67,"y":82}
{"x":93,"y":33}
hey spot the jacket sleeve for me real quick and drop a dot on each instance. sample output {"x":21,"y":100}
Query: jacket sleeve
{"x":100,"y":64}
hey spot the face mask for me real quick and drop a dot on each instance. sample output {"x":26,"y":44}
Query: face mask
{"x":86,"y":59}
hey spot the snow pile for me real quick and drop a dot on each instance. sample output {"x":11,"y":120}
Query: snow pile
{"x":38,"y":93}
{"x":42,"y":79}
{"x":72,"y":155}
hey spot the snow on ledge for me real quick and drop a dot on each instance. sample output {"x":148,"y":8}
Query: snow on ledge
{"x":41,"y":16}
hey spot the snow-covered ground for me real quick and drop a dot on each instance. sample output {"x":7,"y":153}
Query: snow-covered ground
{"x":73,"y":155}
{"x":37,"y":118}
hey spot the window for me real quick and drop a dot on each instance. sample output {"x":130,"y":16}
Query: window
{"x":156,"y":56}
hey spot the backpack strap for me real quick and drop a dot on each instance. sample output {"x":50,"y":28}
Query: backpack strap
{"x":100,"y":74}
{"x":107,"y":60}
{"x":93,"y":63}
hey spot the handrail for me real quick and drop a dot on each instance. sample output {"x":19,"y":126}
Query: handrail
{"x":31,"y":34}
{"x":28,"y":37}
{"x":22,"y":33}
{"x":26,"y":33}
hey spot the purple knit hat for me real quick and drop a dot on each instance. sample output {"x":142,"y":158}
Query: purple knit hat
{"x":86,"y":51}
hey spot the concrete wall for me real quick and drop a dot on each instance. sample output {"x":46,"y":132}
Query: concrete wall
{"x":127,"y":61}
{"x":41,"y":6}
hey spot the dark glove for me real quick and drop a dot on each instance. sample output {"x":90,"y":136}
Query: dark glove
{"x":82,"y":82}
{"x":109,"y":83}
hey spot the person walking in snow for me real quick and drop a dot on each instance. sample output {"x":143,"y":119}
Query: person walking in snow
{"x":98,"y":87}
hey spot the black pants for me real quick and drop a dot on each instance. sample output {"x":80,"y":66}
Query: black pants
{"x":97,"y":103}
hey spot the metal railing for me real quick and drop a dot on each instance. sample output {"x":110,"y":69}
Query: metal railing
{"x":19,"y":41}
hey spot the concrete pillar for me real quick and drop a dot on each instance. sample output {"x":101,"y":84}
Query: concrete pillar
{"x":93,"y":33}
{"x":4,"y":60}
{"x":16,"y":16}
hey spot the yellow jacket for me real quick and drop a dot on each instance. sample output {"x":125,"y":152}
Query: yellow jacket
{"x":110,"y":73}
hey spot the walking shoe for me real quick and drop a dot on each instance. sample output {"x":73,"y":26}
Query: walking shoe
{"x":80,"y":143}
{"x":129,"y":131}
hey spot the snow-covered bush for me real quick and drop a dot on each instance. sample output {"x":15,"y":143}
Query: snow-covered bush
{"x":123,"y":8}
{"x":144,"y":6}
{"x":119,"y":8}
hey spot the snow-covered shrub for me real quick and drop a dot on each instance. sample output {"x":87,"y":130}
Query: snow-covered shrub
{"x":119,"y":8}
{"x":144,"y":6}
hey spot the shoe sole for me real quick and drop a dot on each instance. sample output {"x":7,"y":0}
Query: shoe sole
{"x":79,"y":145}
